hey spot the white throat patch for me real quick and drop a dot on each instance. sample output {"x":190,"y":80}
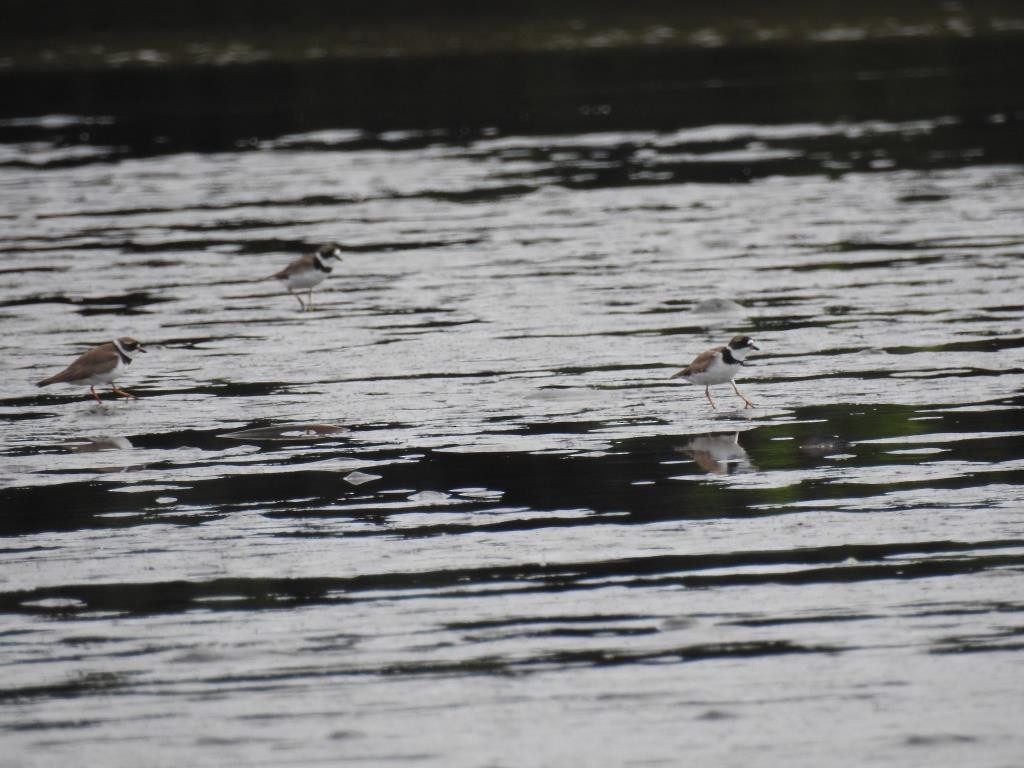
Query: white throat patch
{"x":121,"y":351}
{"x":740,"y":354}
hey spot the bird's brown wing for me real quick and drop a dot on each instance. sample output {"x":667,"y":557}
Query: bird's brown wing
{"x":97,"y":360}
{"x":700,"y":363}
{"x":301,"y":263}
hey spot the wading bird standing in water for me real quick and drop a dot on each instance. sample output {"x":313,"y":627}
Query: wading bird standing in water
{"x":100,"y":365}
{"x":307,"y":272}
{"x":719,"y":365}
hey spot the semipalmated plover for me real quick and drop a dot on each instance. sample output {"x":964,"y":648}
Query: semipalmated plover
{"x":307,"y":272}
{"x":100,"y":365}
{"x":719,"y":365}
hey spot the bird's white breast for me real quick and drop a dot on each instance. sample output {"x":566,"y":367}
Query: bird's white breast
{"x":106,"y":376}
{"x":307,"y":278}
{"x":718,"y":372}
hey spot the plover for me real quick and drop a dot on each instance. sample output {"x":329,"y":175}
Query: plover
{"x":100,"y":365}
{"x":307,"y":272}
{"x":719,"y":365}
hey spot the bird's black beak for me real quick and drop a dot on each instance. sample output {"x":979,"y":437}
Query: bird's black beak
{"x":754,"y":346}
{"x":140,"y":348}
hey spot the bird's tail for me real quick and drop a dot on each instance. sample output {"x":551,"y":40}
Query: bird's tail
{"x":680,"y":374}
{"x":55,"y":379}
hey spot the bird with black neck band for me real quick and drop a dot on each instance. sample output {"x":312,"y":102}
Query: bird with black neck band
{"x":100,"y":365}
{"x":719,"y":365}
{"x":307,"y":272}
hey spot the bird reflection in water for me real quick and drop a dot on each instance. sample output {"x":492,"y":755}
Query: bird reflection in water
{"x":718,"y":454}
{"x":111,"y":464}
{"x":93,"y":445}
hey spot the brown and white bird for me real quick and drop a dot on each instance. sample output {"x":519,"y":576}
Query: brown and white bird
{"x":307,"y":272}
{"x":719,"y":365}
{"x":100,"y":365}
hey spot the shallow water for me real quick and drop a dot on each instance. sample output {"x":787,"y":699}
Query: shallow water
{"x":530,"y":546}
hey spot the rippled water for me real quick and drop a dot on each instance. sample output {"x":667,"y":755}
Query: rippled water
{"x":530,"y":547}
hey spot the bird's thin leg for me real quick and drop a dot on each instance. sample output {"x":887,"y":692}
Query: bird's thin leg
{"x":298,"y":299}
{"x":707,"y":394}
{"x":742,"y":397}
{"x":309,"y":300}
{"x":93,"y":390}
{"x":122,"y":393}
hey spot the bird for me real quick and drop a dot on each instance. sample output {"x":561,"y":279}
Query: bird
{"x":307,"y":272}
{"x":100,"y":365}
{"x":719,"y":365}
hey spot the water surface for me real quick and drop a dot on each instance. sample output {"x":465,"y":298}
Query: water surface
{"x":527,"y":545}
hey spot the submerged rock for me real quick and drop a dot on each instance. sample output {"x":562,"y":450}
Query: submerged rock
{"x":288,"y":432}
{"x":720,"y":307}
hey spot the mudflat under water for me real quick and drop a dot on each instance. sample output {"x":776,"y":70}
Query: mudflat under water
{"x":527,"y":546}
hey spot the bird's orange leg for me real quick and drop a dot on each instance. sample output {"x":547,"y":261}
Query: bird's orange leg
{"x":93,"y":390}
{"x":122,"y":393}
{"x":742,"y":397}
{"x":707,"y":394}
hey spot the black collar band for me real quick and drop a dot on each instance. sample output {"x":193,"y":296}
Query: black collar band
{"x":730,"y":358}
